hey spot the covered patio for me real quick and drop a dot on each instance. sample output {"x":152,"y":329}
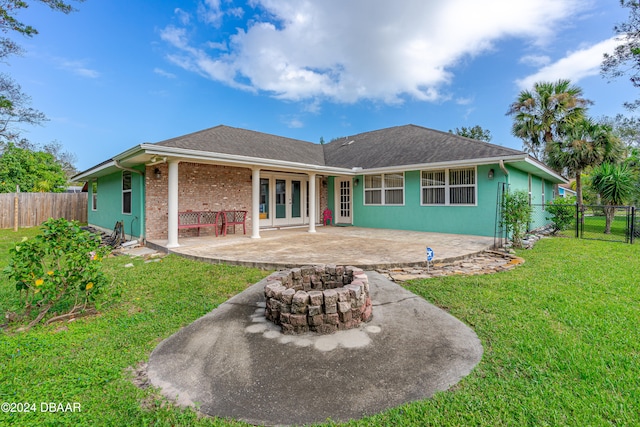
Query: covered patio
{"x":367,"y":248}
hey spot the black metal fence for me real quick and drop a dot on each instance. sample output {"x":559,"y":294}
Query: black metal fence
{"x":540,"y":218}
{"x":594,"y":222}
{"x":612,"y":223}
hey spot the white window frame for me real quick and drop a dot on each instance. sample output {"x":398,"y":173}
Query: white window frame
{"x":447,"y":187}
{"x":442,"y":186}
{"x":94,"y":194}
{"x":543,"y":197}
{"x":125,"y":191}
{"x":382,"y":189}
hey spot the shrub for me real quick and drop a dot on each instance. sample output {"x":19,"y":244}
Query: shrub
{"x":516,"y":215}
{"x":562,"y":212}
{"x":59,"y":268}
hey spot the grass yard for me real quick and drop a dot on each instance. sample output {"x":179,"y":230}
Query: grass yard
{"x":594,"y":226}
{"x":560,"y":334}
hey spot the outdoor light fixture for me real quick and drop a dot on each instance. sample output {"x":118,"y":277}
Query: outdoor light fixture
{"x":356,"y":182}
{"x":491,"y":172}
{"x":157,"y":173}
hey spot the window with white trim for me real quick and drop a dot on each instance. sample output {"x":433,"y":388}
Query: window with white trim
{"x":126,"y":192}
{"x":543,"y":200}
{"x":448,"y":187}
{"x":384,"y":189}
{"x":434,"y":187}
{"x":94,"y":194}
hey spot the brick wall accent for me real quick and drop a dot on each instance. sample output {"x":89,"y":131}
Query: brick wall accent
{"x":201,"y":187}
{"x":324,"y":196}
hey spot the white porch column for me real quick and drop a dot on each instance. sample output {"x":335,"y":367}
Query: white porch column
{"x":255,"y":203}
{"x":312,"y":203}
{"x":172,"y":205}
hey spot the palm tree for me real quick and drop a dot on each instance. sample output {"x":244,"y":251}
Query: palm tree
{"x":542,"y":115}
{"x":586,"y":144}
{"x":615,"y":184}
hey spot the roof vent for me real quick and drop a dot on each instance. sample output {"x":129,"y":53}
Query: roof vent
{"x":347,"y":143}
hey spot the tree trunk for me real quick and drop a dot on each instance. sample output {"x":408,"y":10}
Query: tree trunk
{"x":609,"y":214}
{"x":579,"y":188}
{"x":579,"y":196}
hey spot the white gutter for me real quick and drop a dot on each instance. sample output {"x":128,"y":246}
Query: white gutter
{"x":124,"y":168}
{"x":546,"y":169}
{"x":93,"y":170}
{"x":234,"y":159}
{"x":425,"y":166}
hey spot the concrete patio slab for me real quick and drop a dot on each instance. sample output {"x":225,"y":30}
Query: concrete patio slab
{"x":233,"y":363}
{"x":367,"y":248}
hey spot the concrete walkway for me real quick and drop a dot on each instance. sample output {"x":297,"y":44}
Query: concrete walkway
{"x":367,"y":248}
{"x":233,"y":363}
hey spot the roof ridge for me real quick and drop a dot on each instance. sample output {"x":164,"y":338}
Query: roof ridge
{"x":270,"y":134}
{"x":466,"y":138}
{"x":189,"y":134}
{"x":223,"y":126}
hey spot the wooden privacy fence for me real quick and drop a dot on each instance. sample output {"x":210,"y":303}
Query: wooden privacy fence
{"x":35,"y":208}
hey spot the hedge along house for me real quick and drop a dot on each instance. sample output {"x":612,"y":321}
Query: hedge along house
{"x":406,"y":177}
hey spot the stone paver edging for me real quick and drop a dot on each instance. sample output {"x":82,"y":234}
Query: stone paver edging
{"x":487,"y":262}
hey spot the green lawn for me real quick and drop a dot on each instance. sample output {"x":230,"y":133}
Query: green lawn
{"x":560,"y":334}
{"x":594,"y":226}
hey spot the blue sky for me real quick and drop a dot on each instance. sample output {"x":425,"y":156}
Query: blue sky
{"x":118,"y":73}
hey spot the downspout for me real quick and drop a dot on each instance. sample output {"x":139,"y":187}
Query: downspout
{"x":143,"y":198}
{"x":504,"y":169}
{"x":124,"y":168}
{"x":141,"y":218}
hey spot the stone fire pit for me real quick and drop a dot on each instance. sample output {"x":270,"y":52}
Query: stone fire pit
{"x":321,"y":298}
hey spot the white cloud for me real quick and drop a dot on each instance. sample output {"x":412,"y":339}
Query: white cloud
{"x":183,"y":17}
{"x":293,"y":123}
{"x":535,"y":60}
{"x":217,"y":46}
{"x":164,"y":73}
{"x":77,"y":67}
{"x":348,"y":51}
{"x":175,"y":36}
{"x":238,"y":12}
{"x":574,"y":66}
{"x":210,"y":11}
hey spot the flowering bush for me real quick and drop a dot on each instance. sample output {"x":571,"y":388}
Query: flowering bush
{"x":59,"y":268}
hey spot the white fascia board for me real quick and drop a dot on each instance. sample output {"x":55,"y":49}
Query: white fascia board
{"x":130,"y":152}
{"x":94,"y":170}
{"x":440,"y":165}
{"x":233,"y":159}
{"x":546,"y":169}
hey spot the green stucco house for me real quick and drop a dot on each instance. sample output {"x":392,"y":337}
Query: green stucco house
{"x":405,"y":177}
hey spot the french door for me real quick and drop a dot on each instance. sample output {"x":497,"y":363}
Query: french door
{"x":283,"y":200}
{"x":343,"y":200}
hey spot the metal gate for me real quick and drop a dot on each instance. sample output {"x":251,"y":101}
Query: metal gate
{"x":608,"y":223}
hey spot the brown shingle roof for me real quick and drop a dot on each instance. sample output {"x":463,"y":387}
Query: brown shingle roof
{"x":395,"y":146}
{"x":408,"y":145}
{"x":243,"y":142}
